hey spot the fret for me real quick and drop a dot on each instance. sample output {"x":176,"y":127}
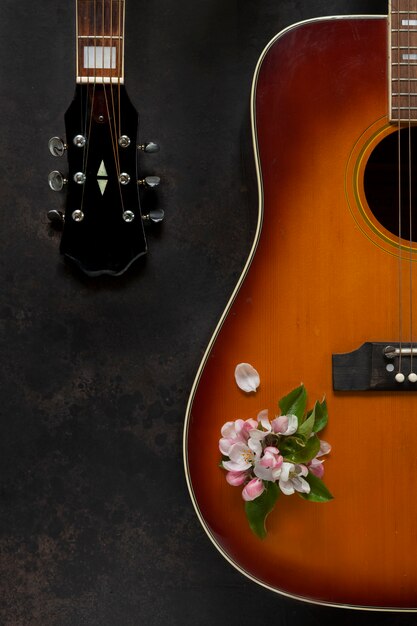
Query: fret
{"x":403,"y":60}
{"x":100,"y":41}
{"x":87,"y":37}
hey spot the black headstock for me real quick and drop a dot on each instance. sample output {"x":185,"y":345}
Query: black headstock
{"x":103,"y":225}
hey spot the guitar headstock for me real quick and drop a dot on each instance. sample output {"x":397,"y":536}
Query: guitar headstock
{"x":103,"y":229}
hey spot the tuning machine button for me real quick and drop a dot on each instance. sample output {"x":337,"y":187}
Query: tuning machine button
{"x":124,"y":178}
{"x":155,"y":216}
{"x":149,"y":146}
{"x":150,"y":182}
{"x":128,"y":216}
{"x":124,"y":141}
{"x":57,"y":146}
{"x":80,"y":178}
{"x":57,"y":218}
{"x":79,"y":141}
{"x":56,"y":180}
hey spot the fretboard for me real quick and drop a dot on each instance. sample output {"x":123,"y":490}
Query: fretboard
{"x":403,"y":60}
{"x":100,"y":41}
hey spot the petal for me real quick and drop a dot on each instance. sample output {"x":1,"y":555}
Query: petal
{"x":286,"y":487}
{"x":276,"y":472}
{"x":301,"y":470}
{"x":300,"y":484}
{"x":257,"y":434}
{"x":280,"y":424}
{"x":316,"y":467}
{"x":228,"y":430}
{"x":255,"y":446}
{"x":225,"y":445}
{"x":236,"y":478}
{"x":247,"y":378}
{"x":263,"y":420}
{"x":292,"y":425}
{"x":271,"y":450}
{"x":286,"y":468}
{"x":324,"y":448}
{"x":264,"y":473}
{"x":285,"y":424}
{"x":231,"y":466}
{"x":253,"y":489}
{"x":238,"y":451}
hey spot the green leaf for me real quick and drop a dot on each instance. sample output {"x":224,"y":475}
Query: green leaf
{"x":294,"y":403}
{"x":302,"y":453}
{"x":257,"y":510}
{"x":318,"y":490}
{"x":321,"y":416}
{"x":306,"y":428}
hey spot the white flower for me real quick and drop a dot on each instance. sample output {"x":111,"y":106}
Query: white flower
{"x":247,"y":378}
{"x":291,"y":479}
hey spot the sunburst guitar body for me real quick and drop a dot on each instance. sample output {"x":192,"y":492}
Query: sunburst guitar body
{"x":326,"y":290}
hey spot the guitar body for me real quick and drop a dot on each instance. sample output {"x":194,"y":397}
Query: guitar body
{"x":322,"y":279}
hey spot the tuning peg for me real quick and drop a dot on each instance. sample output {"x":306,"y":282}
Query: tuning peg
{"x":56,"y":217}
{"x":155,"y":216}
{"x":56,"y":180}
{"x":57,"y":146}
{"x":150,"y":182}
{"x":149,"y":147}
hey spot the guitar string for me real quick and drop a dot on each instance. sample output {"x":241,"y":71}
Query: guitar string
{"x":121,"y":60}
{"x":117,"y":61}
{"x":89,"y":116}
{"x":112,"y":138}
{"x":400,"y":281}
{"x":410,"y":210}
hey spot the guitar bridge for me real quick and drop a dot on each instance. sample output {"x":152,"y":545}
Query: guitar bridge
{"x":375,"y":366}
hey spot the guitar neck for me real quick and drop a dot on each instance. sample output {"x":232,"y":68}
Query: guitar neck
{"x":100,"y":41}
{"x":403,"y":60}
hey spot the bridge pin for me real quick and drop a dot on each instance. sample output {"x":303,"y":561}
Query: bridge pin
{"x":400,"y":378}
{"x":412,"y":377}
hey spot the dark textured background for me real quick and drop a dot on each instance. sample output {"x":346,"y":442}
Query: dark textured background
{"x":96,"y":526}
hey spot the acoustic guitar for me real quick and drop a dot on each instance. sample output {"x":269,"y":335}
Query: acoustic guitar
{"x":103,"y":224}
{"x":326,"y":299}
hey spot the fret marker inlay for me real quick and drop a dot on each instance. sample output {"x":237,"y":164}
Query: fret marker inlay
{"x":409,"y":22}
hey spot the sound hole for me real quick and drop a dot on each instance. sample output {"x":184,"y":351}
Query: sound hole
{"x":381,"y":182}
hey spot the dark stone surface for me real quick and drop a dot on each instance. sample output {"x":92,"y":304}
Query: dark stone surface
{"x":96,"y":526}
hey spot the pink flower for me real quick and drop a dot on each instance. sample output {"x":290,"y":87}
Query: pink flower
{"x":234,"y":432}
{"x":253,"y":489}
{"x":291,"y":479}
{"x":269,"y":466}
